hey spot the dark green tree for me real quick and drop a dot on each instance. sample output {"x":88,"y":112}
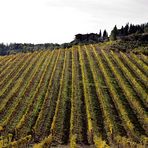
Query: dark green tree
{"x":105,"y":35}
{"x":100,"y":34}
{"x":126,"y":29}
{"x":114,"y":33}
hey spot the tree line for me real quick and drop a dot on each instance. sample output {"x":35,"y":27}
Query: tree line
{"x":13,"y":48}
{"x":128,"y":30}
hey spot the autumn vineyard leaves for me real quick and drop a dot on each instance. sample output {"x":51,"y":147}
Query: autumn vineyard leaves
{"x":77,"y":97}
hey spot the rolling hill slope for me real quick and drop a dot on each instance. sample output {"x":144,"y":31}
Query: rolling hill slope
{"x":82,"y":96}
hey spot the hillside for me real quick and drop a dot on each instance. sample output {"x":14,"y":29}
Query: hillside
{"x":81,"y":96}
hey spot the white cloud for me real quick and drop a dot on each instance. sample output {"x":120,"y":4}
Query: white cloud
{"x":40,"y":21}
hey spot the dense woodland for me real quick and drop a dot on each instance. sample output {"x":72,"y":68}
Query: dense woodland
{"x":129,"y":35}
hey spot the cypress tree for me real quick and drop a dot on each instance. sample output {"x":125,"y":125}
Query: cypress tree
{"x":100,"y":34}
{"x":114,"y":33}
{"x":105,"y":35}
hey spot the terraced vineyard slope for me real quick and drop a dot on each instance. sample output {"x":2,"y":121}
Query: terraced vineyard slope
{"x":78,"y":97}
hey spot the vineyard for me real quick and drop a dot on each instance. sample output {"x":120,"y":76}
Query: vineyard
{"x":78,"y":97}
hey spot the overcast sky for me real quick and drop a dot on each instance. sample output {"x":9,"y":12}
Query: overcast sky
{"x":57,"y":21}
